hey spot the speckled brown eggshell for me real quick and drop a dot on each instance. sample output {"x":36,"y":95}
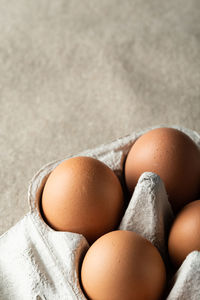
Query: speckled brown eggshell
{"x":123,"y":265}
{"x":83,"y":195}
{"x":173,"y":156}
{"x":184,"y":236}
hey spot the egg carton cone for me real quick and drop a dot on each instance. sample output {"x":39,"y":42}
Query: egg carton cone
{"x":37,"y":262}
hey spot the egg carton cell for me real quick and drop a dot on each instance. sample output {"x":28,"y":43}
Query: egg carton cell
{"x":37,"y":262}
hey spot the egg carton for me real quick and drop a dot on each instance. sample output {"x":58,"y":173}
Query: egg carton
{"x":39,"y":263}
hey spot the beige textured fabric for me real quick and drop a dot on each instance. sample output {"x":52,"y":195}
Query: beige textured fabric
{"x":76,"y":74}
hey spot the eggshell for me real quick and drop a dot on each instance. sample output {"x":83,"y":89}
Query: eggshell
{"x":184,"y":236}
{"x":172,"y":155}
{"x":83,"y":195}
{"x":123,"y":265}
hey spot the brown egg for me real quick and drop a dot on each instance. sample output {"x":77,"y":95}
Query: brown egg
{"x":123,"y":265}
{"x":82,"y":195}
{"x":184,"y":236}
{"x":173,"y":156}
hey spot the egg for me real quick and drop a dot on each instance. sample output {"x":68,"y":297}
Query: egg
{"x":173,"y":156}
{"x":184,"y":235}
{"x":123,"y":265}
{"x":82,"y":195}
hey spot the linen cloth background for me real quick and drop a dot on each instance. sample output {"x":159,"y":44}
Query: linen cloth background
{"x":76,"y":74}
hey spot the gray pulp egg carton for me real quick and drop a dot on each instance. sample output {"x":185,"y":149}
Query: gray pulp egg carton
{"x":37,"y":262}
